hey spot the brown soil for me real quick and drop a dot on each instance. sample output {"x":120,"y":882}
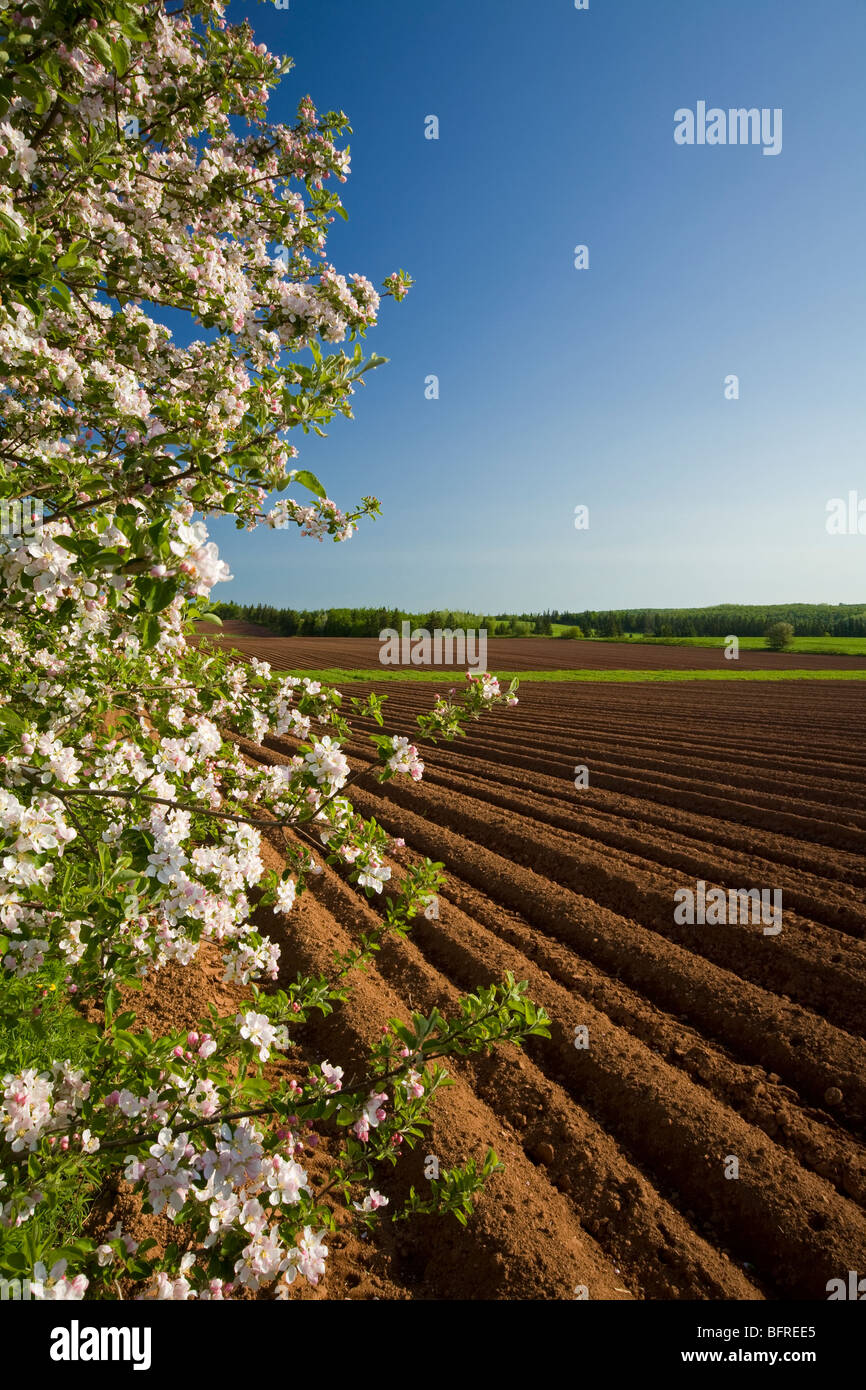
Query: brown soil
{"x":234,"y":627}
{"x":705,"y":1042}
{"x":516,"y":654}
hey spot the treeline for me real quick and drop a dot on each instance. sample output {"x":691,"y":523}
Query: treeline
{"x":369,"y":622}
{"x":725,"y":619}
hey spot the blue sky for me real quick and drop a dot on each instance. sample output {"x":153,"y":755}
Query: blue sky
{"x":602,"y":387}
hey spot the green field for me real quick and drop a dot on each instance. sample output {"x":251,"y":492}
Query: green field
{"x":818,"y":646}
{"x":457,"y":678}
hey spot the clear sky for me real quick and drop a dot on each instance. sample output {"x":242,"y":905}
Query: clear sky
{"x":603,"y":387}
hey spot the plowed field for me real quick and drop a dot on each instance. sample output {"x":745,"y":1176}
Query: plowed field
{"x":517,"y":654}
{"x":706,"y":1043}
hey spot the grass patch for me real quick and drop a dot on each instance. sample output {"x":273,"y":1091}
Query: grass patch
{"x":28,"y":1039}
{"x":336,"y":676}
{"x":816,"y":646}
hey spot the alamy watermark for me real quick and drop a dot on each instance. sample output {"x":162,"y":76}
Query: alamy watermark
{"x":846,"y":517}
{"x":736,"y":126}
{"x":20,"y":1290}
{"x":443,"y":647}
{"x":77,"y":1343}
{"x":854,"y":1290}
{"x":23,"y":517}
{"x":717,"y":907}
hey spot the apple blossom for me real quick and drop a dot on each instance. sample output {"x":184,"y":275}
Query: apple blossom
{"x":134,"y":795}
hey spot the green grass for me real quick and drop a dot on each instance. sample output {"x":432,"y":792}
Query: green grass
{"x":457,"y":678}
{"x":56,"y":1033}
{"x":817,"y":646}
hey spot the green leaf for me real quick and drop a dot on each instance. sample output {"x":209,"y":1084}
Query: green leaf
{"x":112,"y":999}
{"x":120,"y":56}
{"x":69,"y":543}
{"x":51,"y":68}
{"x":103,"y":49}
{"x":62,"y":293}
{"x":311,"y":482}
{"x":150,"y":632}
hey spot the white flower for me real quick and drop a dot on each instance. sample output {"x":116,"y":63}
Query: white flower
{"x":371,"y":1202}
{"x":311,"y":1254}
{"x":285,"y":895}
{"x":328,"y":763}
{"x":56,"y":1285}
{"x":405,"y":758}
{"x":285,"y":1180}
{"x":333,"y":1075}
{"x":374,"y":875}
{"x":264,"y":1035}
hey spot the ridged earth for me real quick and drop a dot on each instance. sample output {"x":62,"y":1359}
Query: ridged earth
{"x":707,"y":1044}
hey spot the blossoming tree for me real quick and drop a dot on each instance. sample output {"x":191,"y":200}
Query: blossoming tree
{"x":140,"y":174}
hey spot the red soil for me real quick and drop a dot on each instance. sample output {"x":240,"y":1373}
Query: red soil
{"x":704,"y":1041}
{"x":517,"y":654}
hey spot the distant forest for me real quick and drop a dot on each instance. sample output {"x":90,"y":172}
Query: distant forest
{"x":726,"y":619}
